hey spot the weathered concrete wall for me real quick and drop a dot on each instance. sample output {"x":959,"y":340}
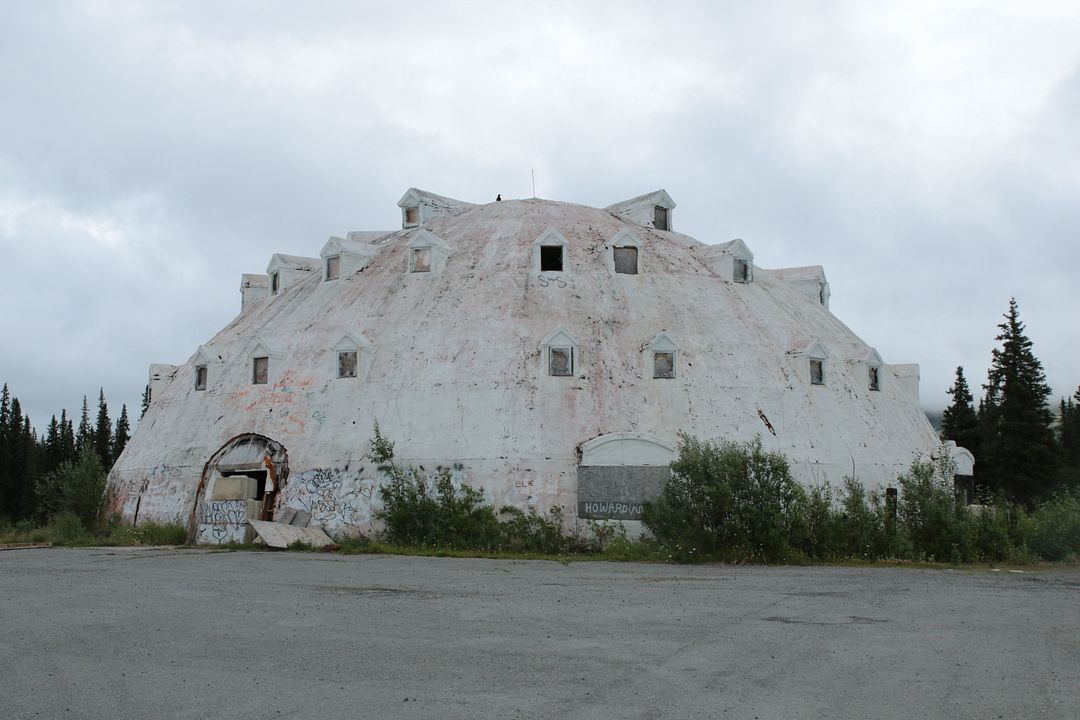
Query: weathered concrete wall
{"x":457,"y":378}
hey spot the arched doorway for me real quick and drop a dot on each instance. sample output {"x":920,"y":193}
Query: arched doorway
{"x":618,"y":472}
{"x":242,"y":481}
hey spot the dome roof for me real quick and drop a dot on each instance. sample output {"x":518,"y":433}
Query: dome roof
{"x":500,"y":339}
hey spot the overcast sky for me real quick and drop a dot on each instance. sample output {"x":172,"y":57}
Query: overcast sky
{"x":926,"y":153}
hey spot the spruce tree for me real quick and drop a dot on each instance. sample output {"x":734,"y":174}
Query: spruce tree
{"x":1069,"y":442}
{"x":959,"y":422}
{"x":122,"y":434}
{"x":67,"y":438}
{"x":6,"y":455}
{"x":84,"y":437}
{"x":145,"y":400}
{"x":103,"y":432}
{"x":1018,"y":444}
{"x":53,"y":446}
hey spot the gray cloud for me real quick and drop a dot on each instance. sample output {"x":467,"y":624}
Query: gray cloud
{"x":925,"y":155}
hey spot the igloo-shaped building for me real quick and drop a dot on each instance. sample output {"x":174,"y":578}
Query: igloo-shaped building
{"x":546,"y":352}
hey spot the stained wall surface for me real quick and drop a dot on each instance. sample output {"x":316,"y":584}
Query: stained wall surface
{"x":452,"y":365}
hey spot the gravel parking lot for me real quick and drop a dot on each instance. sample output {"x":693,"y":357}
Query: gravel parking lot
{"x":182,"y":633}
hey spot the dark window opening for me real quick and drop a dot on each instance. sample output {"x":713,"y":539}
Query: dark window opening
{"x":742,"y":271}
{"x":333,"y":267}
{"x":412,"y":216}
{"x":551,"y":258}
{"x":874,"y":379}
{"x":660,"y":218}
{"x":561,"y":361}
{"x":274,"y":283}
{"x":346,"y":360}
{"x":260,"y":370}
{"x":817,"y":371}
{"x":663,"y":364}
{"x":821,"y":294}
{"x":626,"y":260}
{"x":200,"y":377}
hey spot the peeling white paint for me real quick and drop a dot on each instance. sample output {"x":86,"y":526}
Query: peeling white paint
{"x":454,"y":371}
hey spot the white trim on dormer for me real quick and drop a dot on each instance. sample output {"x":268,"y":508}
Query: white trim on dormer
{"x":808,"y":353}
{"x":550,"y":238}
{"x":560,"y":338}
{"x":724,"y":260}
{"x":355,"y":254}
{"x":428,"y":206}
{"x":871,"y":364}
{"x":641,"y":210}
{"x":440,"y":252}
{"x":624,"y":238}
{"x":660,"y":343}
{"x":352,"y":342}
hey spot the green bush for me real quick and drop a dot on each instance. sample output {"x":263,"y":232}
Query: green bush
{"x":1055,"y":532}
{"x":76,"y":487}
{"x":434,"y":513}
{"x":937,"y":526}
{"x":728,"y":500}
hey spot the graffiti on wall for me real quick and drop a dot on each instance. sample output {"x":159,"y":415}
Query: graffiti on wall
{"x":334,"y":497}
{"x":287,"y":402}
{"x":221,"y":521}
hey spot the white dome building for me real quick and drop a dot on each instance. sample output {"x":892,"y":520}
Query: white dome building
{"x":546,"y":352}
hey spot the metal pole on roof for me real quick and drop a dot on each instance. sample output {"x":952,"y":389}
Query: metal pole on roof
{"x":534,"y":183}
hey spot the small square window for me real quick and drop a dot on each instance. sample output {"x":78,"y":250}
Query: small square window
{"x":660,"y":218}
{"x":200,"y":377}
{"x":875,"y":382}
{"x":742,"y":271}
{"x":260,"y":370}
{"x":663,"y":365}
{"x":551,"y":258}
{"x":421,"y":260}
{"x":561,"y":361}
{"x":333,"y":267}
{"x":274,"y":283}
{"x":346,"y":364}
{"x":817,"y":371}
{"x":625,"y":260}
{"x":412,"y":216}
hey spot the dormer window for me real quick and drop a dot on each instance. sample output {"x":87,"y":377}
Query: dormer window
{"x":420,"y":260}
{"x":260,"y":370}
{"x":410,"y":216}
{"x":663,"y":364}
{"x":333,"y":267}
{"x":559,"y":353}
{"x":275,"y":283}
{"x":662,"y":353}
{"x":817,"y":371}
{"x":551,"y":258}
{"x":742,"y":270}
{"x":626,"y":260}
{"x":875,"y":377}
{"x":661,"y":218}
{"x":347,"y":363}
{"x":200,"y":377}
{"x":561,"y":361}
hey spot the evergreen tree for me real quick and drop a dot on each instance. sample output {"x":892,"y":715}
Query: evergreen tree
{"x":1018,"y":443}
{"x":84,"y":438}
{"x":6,"y":451}
{"x":145,"y":400}
{"x":53,"y":447}
{"x":1069,"y":442}
{"x":103,"y":432}
{"x":67,"y":438}
{"x":122,"y":434}
{"x":959,"y":422}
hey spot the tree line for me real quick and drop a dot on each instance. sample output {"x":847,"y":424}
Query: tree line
{"x":1023,"y":451}
{"x":63,"y":470}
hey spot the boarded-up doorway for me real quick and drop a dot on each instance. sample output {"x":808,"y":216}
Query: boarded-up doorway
{"x":619,"y":472}
{"x":242,"y":481}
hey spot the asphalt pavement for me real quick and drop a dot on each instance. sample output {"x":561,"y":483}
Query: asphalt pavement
{"x":191,"y":633}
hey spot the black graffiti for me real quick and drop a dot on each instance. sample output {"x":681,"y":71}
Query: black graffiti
{"x":547,"y":281}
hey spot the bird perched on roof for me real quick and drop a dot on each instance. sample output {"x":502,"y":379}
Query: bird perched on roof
{"x":498,"y":198}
